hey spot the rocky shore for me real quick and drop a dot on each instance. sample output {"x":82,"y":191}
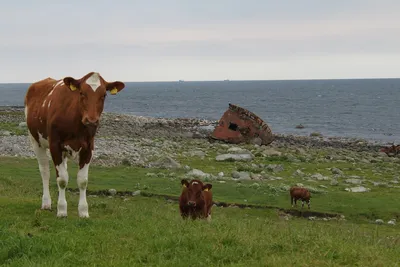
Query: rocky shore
{"x":137,"y":140}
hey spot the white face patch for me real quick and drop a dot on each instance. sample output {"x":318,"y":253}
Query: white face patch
{"x":94,"y":81}
{"x":195,"y":183}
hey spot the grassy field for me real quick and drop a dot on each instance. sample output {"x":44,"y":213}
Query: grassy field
{"x":140,"y":231}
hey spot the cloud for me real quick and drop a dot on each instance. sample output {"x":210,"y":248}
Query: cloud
{"x":164,"y":40}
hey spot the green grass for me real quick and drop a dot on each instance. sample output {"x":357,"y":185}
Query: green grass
{"x":140,"y":231}
{"x":380,"y":203}
{"x":13,"y":128}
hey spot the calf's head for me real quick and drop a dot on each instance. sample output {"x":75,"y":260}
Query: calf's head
{"x":193,"y":191}
{"x":92,"y":90}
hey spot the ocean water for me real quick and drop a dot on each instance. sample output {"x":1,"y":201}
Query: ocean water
{"x":365,"y":108}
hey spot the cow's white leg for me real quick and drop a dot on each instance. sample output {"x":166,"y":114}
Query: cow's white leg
{"x":82,"y":180}
{"x":44,"y":169}
{"x":62,"y":182}
{"x":209,"y":218}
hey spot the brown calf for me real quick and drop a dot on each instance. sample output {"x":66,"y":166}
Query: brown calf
{"x":63,"y":116}
{"x":300,"y":193}
{"x":392,"y":150}
{"x":195,"y":200}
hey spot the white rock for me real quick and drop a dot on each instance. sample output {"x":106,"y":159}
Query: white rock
{"x":320,"y":177}
{"x":358,"y":189}
{"x":235,"y":157}
{"x":353,"y":181}
{"x":392,"y":222}
{"x":272,"y":152}
{"x":112,"y":192}
{"x":198,"y":173}
{"x":238,"y":150}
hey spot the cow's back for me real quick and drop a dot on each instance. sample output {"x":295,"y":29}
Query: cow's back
{"x":38,"y":91}
{"x":298,"y":192}
{"x":35,"y":106}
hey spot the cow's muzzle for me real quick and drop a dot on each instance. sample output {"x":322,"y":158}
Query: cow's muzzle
{"x":192,"y":203}
{"x":91,"y":122}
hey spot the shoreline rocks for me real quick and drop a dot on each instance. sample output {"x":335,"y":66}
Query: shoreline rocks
{"x":144,"y":141}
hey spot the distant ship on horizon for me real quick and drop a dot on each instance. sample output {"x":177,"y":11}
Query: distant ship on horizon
{"x":226,"y":80}
{"x":181,"y":81}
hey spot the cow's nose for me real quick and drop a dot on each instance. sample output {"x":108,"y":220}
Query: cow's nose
{"x":92,"y":122}
{"x":192,"y":203}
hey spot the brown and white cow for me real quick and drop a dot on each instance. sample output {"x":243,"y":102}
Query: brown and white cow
{"x":195,"y":200}
{"x":63,"y":116}
{"x":300,"y":193}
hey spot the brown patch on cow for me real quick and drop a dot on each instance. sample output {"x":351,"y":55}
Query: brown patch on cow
{"x":300,"y":193}
{"x":195,"y":200}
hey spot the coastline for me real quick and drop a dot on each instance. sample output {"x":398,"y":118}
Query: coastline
{"x":118,"y":124}
{"x":142,"y":141}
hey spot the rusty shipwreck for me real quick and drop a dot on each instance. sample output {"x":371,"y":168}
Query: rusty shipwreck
{"x":238,"y":125}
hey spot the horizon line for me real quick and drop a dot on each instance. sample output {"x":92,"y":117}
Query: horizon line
{"x":241,"y":80}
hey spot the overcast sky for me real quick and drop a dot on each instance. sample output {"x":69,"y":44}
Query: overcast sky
{"x":168,"y":40}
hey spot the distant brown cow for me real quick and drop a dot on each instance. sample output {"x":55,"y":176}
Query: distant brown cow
{"x":195,"y":200}
{"x":300,"y":193}
{"x":63,"y":116}
{"x":392,"y":150}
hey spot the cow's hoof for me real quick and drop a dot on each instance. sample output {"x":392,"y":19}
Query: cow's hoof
{"x":61,"y":214}
{"x":84,"y":215}
{"x":46,"y":207}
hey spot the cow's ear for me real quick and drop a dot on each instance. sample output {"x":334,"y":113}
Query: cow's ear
{"x":207,"y":187}
{"x":185,"y":183}
{"x":71,"y":83}
{"x":115,"y":87}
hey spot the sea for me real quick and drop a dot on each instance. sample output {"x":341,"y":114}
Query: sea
{"x":352,"y":108}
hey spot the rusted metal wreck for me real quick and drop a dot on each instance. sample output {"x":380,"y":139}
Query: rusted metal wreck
{"x":238,"y":125}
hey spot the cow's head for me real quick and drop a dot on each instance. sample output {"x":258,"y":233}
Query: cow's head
{"x":194,"y":191}
{"x":92,"y":90}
